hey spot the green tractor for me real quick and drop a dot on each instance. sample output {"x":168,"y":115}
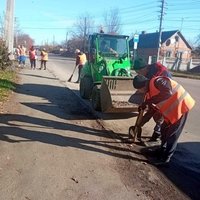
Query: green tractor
{"x":106,"y":77}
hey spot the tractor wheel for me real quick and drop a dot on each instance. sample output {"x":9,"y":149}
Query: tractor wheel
{"x":86,"y":85}
{"x":96,"y":99}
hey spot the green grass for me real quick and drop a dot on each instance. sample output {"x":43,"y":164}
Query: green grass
{"x":6,"y":83}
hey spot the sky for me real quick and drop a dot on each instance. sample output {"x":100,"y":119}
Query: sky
{"x":49,"y":21}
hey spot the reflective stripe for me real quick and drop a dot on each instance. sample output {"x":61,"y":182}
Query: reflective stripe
{"x":176,"y":88}
{"x":173,"y":92}
{"x":175,"y":103}
{"x":178,"y":103}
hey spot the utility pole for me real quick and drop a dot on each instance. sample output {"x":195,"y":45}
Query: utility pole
{"x":9,"y":25}
{"x":160,"y":28}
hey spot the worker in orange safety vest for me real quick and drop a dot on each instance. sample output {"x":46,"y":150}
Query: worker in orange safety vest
{"x":142,"y":67}
{"x":173,"y":102}
{"x":80,"y":62}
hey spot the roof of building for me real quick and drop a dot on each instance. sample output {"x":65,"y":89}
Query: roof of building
{"x":150,"y":40}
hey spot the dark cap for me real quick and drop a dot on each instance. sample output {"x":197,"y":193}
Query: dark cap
{"x":139,"y":63}
{"x":139,"y":81}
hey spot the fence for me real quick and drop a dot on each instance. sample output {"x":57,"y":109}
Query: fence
{"x":179,"y":64}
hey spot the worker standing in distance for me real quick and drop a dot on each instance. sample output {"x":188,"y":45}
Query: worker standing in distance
{"x":32,"y":57}
{"x":80,"y":62}
{"x":150,"y":71}
{"x":44,"y":59}
{"x":22,"y":55}
{"x":173,"y":102}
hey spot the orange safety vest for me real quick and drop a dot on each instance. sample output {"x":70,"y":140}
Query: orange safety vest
{"x":175,"y":106}
{"x":32,"y":54}
{"x":82,"y":59}
{"x":44,"y":55}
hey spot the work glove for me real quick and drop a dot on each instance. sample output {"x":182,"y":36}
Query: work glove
{"x":142,"y":107}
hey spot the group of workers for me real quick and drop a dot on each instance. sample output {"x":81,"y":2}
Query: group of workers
{"x":167,"y":102}
{"x":21,"y":56}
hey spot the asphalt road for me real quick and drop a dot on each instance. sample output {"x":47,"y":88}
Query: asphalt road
{"x":192,"y":86}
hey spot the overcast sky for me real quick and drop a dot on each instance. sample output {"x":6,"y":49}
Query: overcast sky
{"x":51,"y":20}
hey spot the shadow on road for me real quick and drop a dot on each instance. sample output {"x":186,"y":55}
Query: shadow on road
{"x":59,"y":101}
{"x":32,"y":135}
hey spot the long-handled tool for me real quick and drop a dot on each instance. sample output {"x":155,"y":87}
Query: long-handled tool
{"x":135,"y":132}
{"x":70,"y":78}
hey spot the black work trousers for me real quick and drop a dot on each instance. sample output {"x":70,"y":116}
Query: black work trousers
{"x":79,"y":72}
{"x":169,"y":136}
{"x":33,"y":63}
{"x":43,"y":64}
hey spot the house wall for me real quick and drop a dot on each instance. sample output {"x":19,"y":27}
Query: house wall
{"x":173,"y":47}
{"x":145,"y":53}
{"x":176,"y":47}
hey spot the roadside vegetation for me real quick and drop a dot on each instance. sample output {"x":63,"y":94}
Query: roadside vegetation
{"x":7,"y":74}
{"x":6,"y":83}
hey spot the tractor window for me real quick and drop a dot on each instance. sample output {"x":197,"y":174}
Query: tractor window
{"x":105,"y":46}
{"x":109,"y":46}
{"x":121,"y":46}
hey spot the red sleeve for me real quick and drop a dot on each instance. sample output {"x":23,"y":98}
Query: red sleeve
{"x":77,"y":60}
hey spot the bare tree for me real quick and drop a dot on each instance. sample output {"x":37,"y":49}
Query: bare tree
{"x":84,"y":26}
{"x":196,"y":48}
{"x":112,"y":21}
{"x":21,"y":38}
{"x":25,"y":40}
{"x":198,"y":40}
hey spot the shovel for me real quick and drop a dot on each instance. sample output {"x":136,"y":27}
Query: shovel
{"x":70,"y":78}
{"x":135,"y":132}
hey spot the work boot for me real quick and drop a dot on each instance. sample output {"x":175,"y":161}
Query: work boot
{"x":163,"y":162}
{"x":156,"y":152}
{"x":155,"y":137}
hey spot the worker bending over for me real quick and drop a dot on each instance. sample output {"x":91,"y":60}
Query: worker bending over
{"x":173,"y":102}
{"x":150,"y":71}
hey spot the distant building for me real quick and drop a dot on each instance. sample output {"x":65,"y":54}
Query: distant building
{"x":173,"y":45}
